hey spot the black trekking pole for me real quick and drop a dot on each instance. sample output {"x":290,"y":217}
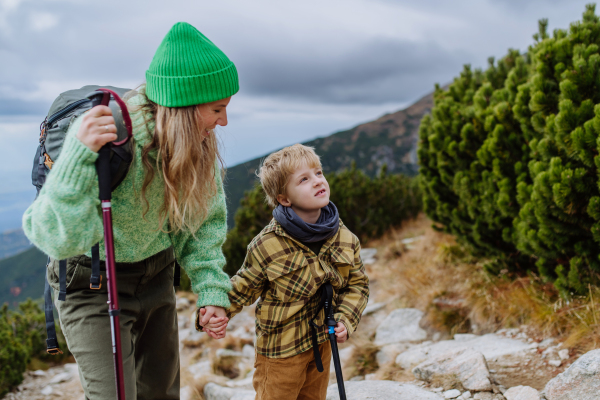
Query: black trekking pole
{"x":104,"y":182}
{"x":331,"y":323}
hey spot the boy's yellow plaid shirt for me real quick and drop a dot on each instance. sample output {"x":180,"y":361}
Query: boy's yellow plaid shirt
{"x":286,"y":275}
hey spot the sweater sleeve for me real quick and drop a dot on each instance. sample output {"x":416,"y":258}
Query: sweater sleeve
{"x":352,"y":300}
{"x":201,"y":255}
{"x":248,"y":284}
{"x":65,"y":220}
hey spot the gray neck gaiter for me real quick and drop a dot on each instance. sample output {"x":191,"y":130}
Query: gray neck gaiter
{"x":326,"y":226}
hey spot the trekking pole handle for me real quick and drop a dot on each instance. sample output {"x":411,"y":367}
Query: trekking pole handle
{"x":102,"y":97}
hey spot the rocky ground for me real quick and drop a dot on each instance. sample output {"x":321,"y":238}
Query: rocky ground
{"x":390,"y":357}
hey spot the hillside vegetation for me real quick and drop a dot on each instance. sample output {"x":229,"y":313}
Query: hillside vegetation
{"x":510,"y":158}
{"x":13,"y":242}
{"x":367,"y":206}
{"x":390,"y":140}
{"x":438,"y":275}
{"x":22,"y":276}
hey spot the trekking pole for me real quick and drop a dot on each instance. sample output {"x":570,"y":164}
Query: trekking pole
{"x":104,"y":183}
{"x":331,"y":323}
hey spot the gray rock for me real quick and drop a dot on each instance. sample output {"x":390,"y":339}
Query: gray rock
{"x":228,"y":353}
{"x":467,"y":365}
{"x":186,"y":393}
{"x":182,"y":303}
{"x":522,"y":393}
{"x":564,"y":354}
{"x":372,"y":307}
{"x":62,"y":377}
{"x":389,"y":352}
{"x":463,"y":337}
{"x":451,"y":394}
{"x":212,"y":391}
{"x":200,"y":369}
{"x":490,"y":345}
{"x":47,"y":391}
{"x":345,"y":357}
{"x":581,"y":381}
{"x":466,"y":395}
{"x":555,"y":363}
{"x":401,"y":325}
{"x":381,"y":390}
{"x":368,"y":255}
{"x":72,"y":368}
{"x":248,"y":351}
{"x":192,"y":337}
{"x":243,"y":333}
{"x":242,"y":319}
{"x":39,"y":372}
{"x":488,"y":396}
{"x":413,"y":356}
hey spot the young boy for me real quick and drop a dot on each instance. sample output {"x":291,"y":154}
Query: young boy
{"x":305,"y":246}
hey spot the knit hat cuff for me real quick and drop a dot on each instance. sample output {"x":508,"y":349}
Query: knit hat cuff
{"x":183,"y":91}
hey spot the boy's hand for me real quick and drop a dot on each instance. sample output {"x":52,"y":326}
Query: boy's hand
{"x":216,"y":325}
{"x":341,"y":332}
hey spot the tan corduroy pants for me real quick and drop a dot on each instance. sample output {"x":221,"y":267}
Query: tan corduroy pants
{"x":292,"y":378}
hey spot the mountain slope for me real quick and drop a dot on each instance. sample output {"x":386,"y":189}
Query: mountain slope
{"x":13,"y":242}
{"x":22,"y":276}
{"x":390,"y":139}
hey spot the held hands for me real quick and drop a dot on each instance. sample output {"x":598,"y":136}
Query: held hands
{"x":97,"y":128}
{"x":341,"y":332}
{"x":213,"y":321}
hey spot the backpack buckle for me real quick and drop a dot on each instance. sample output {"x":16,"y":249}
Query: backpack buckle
{"x":55,"y":351}
{"x":96,"y":286}
{"x":52,"y":346}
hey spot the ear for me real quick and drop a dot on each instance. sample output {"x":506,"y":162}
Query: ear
{"x":284,"y":200}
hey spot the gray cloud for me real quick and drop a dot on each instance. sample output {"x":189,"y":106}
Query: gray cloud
{"x":52,"y":46}
{"x":381,"y":70}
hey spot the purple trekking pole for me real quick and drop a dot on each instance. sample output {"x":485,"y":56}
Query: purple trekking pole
{"x":104,"y":182}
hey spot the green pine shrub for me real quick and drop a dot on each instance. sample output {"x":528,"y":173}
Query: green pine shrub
{"x":367,"y":206}
{"x":509,"y":157}
{"x":23,"y":338}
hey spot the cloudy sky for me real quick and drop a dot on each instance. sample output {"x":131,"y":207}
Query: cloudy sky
{"x":307,"y":68}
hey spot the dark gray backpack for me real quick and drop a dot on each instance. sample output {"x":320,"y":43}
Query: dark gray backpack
{"x":68,"y":106}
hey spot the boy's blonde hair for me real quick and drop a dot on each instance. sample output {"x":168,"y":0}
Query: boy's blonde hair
{"x":276,"y":169}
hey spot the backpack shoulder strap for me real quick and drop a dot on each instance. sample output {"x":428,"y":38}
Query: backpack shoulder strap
{"x":52,"y":340}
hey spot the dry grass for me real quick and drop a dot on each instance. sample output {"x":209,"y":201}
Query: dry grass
{"x":437,"y":276}
{"x":447,"y":382}
{"x":363,"y":359}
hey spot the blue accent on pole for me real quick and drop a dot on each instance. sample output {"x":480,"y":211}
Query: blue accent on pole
{"x":331,"y":329}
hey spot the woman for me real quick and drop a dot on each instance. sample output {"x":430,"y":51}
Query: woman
{"x":170,"y":206}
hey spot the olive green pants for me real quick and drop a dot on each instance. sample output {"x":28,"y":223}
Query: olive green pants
{"x":149,"y":334}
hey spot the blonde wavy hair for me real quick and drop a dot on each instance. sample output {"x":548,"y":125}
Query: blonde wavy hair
{"x":276,"y":169}
{"x":186,"y":160}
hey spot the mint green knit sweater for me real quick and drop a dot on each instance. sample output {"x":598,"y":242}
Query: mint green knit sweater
{"x":66,"y":220}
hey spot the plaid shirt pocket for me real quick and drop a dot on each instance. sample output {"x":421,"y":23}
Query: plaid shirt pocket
{"x":291,"y":279}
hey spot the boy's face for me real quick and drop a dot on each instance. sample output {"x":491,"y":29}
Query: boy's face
{"x":307,"y":190}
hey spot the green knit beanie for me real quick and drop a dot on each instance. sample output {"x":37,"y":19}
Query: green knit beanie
{"x":189,"y":69}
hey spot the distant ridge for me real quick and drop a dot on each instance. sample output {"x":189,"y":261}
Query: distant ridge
{"x":22,"y":276}
{"x":390,"y":139}
{"x":13,"y":242}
